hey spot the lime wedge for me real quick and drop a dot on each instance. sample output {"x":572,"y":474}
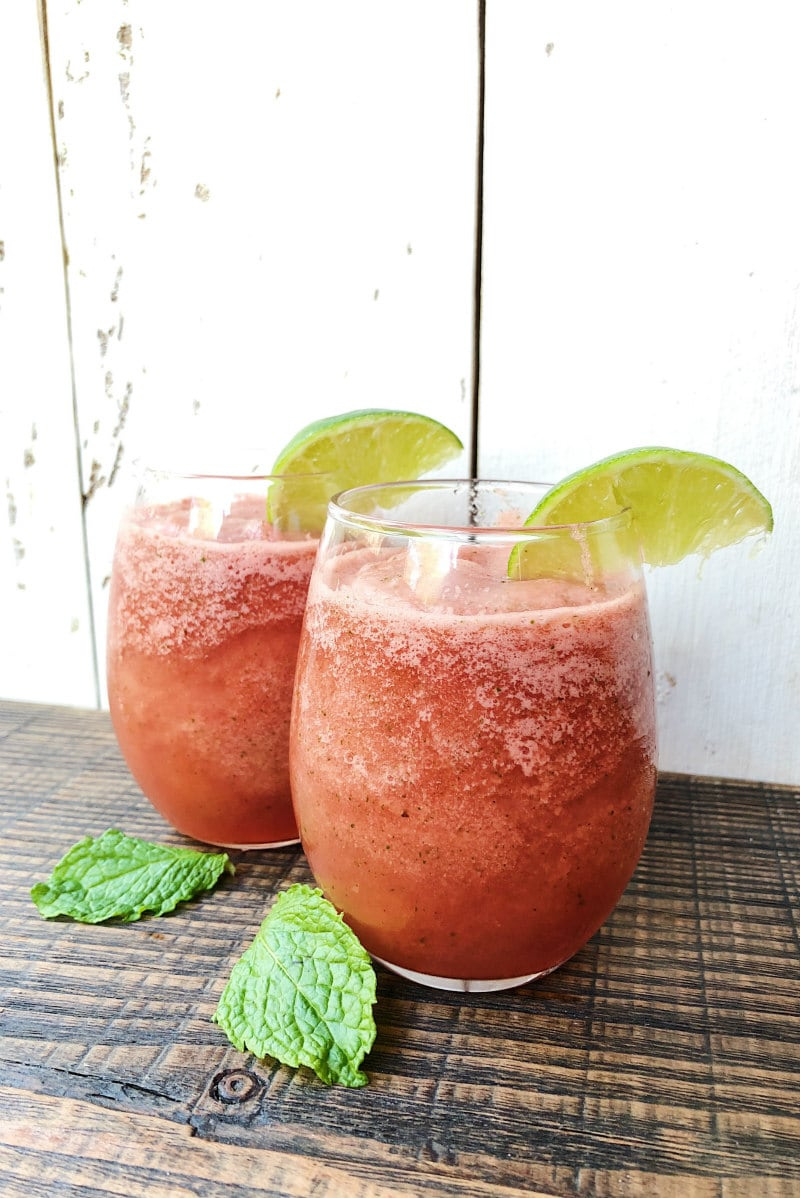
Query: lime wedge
{"x":354,"y":449}
{"x":681,"y":503}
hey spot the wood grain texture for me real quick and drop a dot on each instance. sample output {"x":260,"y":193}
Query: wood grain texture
{"x":664,"y":1059}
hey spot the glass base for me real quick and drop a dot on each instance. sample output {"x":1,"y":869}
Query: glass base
{"x":465,"y":985}
{"x":270,"y":844}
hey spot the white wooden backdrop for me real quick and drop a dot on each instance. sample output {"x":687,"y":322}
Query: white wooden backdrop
{"x":234,"y":223}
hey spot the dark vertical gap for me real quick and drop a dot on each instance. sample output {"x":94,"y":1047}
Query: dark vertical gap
{"x":478,"y":266}
{"x":42,"y":8}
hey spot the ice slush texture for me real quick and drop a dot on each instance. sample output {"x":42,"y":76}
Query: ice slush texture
{"x":473,"y":767}
{"x":202,"y":644}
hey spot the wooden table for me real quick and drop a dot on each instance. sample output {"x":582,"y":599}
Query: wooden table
{"x":664,"y":1059}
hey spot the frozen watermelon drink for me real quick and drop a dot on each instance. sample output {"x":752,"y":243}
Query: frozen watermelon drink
{"x":473,"y":755}
{"x":208,"y":588}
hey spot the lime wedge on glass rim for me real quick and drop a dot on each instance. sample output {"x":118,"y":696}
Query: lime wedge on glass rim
{"x":354,"y":449}
{"x":681,"y":503}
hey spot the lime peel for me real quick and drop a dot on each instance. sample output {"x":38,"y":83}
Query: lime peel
{"x":368,"y":445}
{"x":681,"y":503}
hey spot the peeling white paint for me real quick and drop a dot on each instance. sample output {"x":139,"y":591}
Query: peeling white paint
{"x":263,"y":225}
{"x":641,"y":286}
{"x":42,"y":560}
{"x":665,"y":685}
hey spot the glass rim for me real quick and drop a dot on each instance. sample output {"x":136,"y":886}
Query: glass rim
{"x":143,"y":466}
{"x":385,"y":523}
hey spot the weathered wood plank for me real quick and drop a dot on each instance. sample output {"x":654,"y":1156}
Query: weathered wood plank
{"x":46,"y":646}
{"x":118,"y":1152}
{"x":641,"y":254}
{"x":273,"y":218}
{"x":269,"y":219}
{"x":663,"y":1059}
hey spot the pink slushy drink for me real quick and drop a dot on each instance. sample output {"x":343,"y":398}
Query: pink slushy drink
{"x":473,"y":756}
{"x":204,"y":622}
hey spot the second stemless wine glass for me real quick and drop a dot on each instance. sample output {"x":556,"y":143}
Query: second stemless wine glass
{"x":208,"y":588}
{"x":473,"y":730}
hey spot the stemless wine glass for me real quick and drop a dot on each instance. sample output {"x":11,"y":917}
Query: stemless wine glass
{"x":473,"y":730}
{"x":208,"y":586}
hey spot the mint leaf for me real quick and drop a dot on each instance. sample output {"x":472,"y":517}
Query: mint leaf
{"x":119,"y":877}
{"x":303,"y":991}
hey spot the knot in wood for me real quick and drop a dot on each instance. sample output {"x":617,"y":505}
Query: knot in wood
{"x":234,"y":1085}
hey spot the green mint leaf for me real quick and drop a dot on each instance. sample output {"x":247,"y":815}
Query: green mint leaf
{"x":303,"y":991}
{"x":119,"y":877}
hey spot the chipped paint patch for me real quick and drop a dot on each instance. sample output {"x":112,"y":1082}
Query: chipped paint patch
{"x":118,"y":456}
{"x":96,"y":480}
{"x":71,"y":78}
{"x":144,"y":167}
{"x":123,"y":407}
